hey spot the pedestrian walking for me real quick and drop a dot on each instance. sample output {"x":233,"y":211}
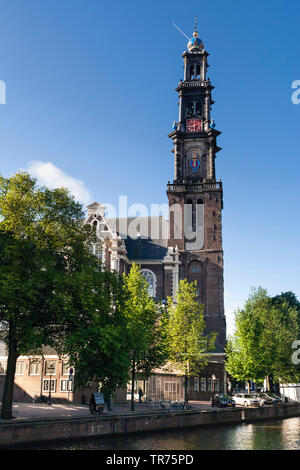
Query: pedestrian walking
{"x":140,"y":395}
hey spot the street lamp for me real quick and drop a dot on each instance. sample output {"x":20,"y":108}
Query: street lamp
{"x":213,"y":382}
{"x":51,"y":369}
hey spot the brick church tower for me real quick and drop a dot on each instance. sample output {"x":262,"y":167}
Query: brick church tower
{"x":195,"y":196}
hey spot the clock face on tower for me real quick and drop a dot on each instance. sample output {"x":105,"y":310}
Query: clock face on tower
{"x":194,"y":125}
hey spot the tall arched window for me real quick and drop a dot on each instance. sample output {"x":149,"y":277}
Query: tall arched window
{"x":96,"y":249}
{"x":151,"y":281}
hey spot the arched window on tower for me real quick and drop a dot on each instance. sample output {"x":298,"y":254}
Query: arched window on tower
{"x":151,"y":281}
{"x":190,"y":109}
{"x":191,"y":71}
{"x":199,"y":108}
{"x":198,"y":71}
{"x":195,"y":273}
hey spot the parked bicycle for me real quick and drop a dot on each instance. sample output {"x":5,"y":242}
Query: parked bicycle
{"x":40,"y":399}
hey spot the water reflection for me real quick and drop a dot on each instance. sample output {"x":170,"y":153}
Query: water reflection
{"x":270,"y":434}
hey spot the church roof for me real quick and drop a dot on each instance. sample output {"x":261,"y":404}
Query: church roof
{"x":145,"y":249}
{"x":144,"y":237}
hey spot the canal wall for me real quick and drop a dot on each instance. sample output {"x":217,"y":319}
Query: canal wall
{"x":42,"y":430}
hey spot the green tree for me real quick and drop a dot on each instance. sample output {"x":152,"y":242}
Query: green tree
{"x":261,"y":345}
{"x":96,"y":341}
{"x":290,"y":299}
{"x":246,"y":358}
{"x":283,"y":329}
{"x":145,"y":329}
{"x":42,"y":243}
{"x":188,"y":345}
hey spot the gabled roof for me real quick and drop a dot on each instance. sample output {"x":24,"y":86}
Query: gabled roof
{"x":144,"y":237}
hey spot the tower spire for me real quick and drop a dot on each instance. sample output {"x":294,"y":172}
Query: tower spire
{"x":195,"y":32}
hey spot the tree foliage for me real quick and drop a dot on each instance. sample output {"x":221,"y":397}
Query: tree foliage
{"x":145,"y":327}
{"x":96,"y":340}
{"x":261,"y":344}
{"x":188,"y":345}
{"x":43,"y":246}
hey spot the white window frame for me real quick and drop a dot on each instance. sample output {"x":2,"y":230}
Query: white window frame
{"x":69,"y":385}
{"x":35,"y":363}
{"x":203,"y":386}
{"x":98,"y":248}
{"x":154,"y":280}
{"x":209,"y":385}
{"x":216,"y":385}
{"x":171,"y":390}
{"x":18,"y":367}
{"x":3,"y":367}
{"x":196,"y":384}
{"x":53,"y":381}
{"x":62,"y":367}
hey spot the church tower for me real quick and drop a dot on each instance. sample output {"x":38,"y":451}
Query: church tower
{"x":195,"y":196}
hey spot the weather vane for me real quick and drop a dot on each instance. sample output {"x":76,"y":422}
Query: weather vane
{"x":180,"y":30}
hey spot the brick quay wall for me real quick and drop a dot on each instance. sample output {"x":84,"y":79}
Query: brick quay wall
{"x":45,"y":430}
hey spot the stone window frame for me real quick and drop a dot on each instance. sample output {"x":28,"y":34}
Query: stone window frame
{"x":146,"y":270}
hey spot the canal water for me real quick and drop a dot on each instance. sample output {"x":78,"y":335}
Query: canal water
{"x":270,"y":434}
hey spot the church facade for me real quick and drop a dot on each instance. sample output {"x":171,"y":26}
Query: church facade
{"x":189,"y":244}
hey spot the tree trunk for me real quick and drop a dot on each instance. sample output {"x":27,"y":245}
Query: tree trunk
{"x":248,"y":386}
{"x":7,"y":400}
{"x":132,"y":384}
{"x":186,"y":384}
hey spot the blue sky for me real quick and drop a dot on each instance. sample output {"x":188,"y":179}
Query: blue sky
{"x":90,"y":91}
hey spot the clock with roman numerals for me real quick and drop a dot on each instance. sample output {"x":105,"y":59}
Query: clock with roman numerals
{"x":194,"y":125}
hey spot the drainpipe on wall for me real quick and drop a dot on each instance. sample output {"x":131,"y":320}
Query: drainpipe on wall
{"x":42,"y":375}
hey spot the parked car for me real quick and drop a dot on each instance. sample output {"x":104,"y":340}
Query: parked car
{"x":246,"y":400}
{"x":275,"y":398}
{"x":222,"y":399}
{"x":264,"y":399}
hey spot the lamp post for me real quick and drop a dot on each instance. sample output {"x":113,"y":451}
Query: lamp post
{"x":213,"y":383}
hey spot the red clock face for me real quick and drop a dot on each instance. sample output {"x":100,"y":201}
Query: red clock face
{"x":194,"y":125}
